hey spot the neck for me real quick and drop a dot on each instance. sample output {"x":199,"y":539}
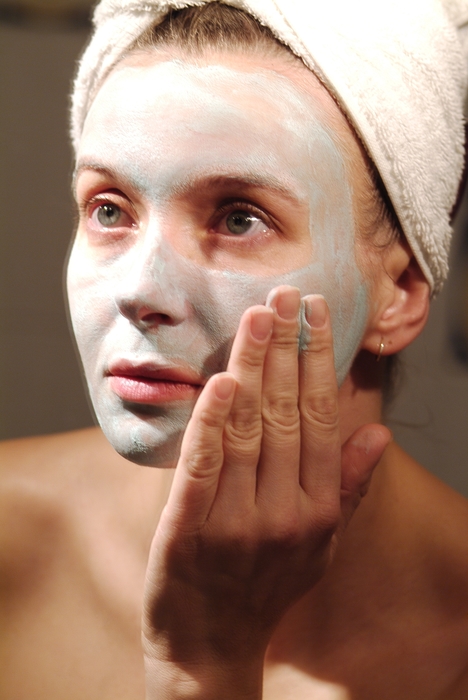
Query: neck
{"x":360,"y":396}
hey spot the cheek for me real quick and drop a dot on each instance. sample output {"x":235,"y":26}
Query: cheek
{"x":226,"y":296}
{"x":90,"y":303}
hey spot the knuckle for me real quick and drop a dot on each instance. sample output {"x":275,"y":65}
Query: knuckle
{"x":235,"y":543}
{"x":285,"y":342}
{"x":244,"y":425}
{"x":242,"y":445}
{"x":326,"y":518}
{"x":281,"y":411}
{"x":245,"y":453}
{"x":321,"y":344}
{"x":321,"y":408}
{"x":211,"y":419}
{"x":253,"y":359}
{"x":288,"y":533}
{"x":202,"y":464}
{"x":283,"y":530}
{"x":239,"y":532}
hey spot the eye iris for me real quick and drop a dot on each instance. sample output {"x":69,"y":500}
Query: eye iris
{"x":239,"y":222}
{"x":108,"y":214}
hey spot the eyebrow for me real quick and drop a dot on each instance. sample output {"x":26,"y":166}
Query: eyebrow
{"x":199,"y":180}
{"x":248,"y":179}
{"x":92,"y":165}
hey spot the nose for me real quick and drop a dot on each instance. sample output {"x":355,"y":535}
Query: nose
{"x":151,"y":292}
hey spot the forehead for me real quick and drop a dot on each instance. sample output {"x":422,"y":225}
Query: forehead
{"x":233,"y":106}
{"x":270,"y":77}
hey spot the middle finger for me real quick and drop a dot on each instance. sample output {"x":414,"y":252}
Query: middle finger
{"x":278,"y":473}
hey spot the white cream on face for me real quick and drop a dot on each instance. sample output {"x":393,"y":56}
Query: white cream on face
{"x":162,"y":127}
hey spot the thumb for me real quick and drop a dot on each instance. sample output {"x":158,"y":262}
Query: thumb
{"x":359,"y":456}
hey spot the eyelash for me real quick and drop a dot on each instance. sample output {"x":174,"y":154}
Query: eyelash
{"x":243,"y":206}
{"x":90,"y":207}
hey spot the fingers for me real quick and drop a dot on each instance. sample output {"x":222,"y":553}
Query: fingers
{"x":201,"y":459}
{"x":243,"y":430}
{"x":278,"y":472}
{"x":279,"y":429}
{"x":271,"y":423}
{"x":320,"y":436}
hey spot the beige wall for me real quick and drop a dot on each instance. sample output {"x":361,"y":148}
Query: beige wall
{"x":40,"y":385}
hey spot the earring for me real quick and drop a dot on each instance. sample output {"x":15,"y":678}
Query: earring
{"x":381,"y":347}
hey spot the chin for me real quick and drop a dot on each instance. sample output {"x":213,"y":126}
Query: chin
{"x":162,"y":457}
{"x":147,"y":440}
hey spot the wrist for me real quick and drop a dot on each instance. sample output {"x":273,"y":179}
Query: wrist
{"x":168,"y":680}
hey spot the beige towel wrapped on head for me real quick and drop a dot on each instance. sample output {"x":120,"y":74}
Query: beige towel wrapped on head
{"x":397,"y":67}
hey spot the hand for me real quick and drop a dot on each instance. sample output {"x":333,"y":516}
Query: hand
{"x":262,"y":488}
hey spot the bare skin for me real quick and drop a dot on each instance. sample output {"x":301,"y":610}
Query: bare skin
{"x":365,"y":606}
{"x":388,"y":620}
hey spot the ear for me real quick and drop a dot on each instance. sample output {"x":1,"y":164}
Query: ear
{"x":401,"y":303}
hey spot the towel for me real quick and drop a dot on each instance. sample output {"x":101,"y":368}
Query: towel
{"x":398,"y":68}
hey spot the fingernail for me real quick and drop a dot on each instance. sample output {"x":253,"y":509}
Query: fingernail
{"x":304,"y":328}
{"x":363,"y":443}
{"x":224,"y":386}
{"x":316,"y":311}
{"x":261,"y":324}
{"x":287,"y":304}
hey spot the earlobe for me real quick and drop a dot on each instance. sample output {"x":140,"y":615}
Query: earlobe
{"x":402,"y":295}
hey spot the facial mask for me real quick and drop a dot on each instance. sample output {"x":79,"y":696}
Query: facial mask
{"x":162,"y":128}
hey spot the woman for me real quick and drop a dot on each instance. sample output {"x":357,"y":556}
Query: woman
{"x":223,"y":196}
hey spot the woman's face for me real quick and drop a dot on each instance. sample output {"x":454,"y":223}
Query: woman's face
{"x":201,"y":187}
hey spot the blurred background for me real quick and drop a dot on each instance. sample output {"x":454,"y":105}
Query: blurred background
{"x":41,"y":389}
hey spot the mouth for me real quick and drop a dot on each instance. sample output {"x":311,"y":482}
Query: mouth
{"x":152,"y":384}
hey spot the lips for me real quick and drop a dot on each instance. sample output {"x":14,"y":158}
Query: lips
{"x":152,"y":383}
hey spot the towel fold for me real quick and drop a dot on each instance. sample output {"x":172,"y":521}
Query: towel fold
{"x":398,"y":68}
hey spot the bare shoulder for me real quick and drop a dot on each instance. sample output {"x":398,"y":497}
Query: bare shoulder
{"x":76,"y":523}
{"x":442,"y":512}
{"x":35,"y":468}
{"x":40,"y":477}
{"x":437,"y":521}
{"x":66,"y":488}
{"x":438,"y":517}
{"x":458,"y":690}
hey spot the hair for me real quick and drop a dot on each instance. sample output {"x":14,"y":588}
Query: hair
{"x":214,"y":26}
{"x":218,"y":28}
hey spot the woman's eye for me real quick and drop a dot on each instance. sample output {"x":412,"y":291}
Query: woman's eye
{"x":110,"y":215}
{"x":241,"y":222}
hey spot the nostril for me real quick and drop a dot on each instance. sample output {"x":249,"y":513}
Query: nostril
{"x":149,"y":301}
{"x":144,"y":316}
{"x":153,"y":319}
